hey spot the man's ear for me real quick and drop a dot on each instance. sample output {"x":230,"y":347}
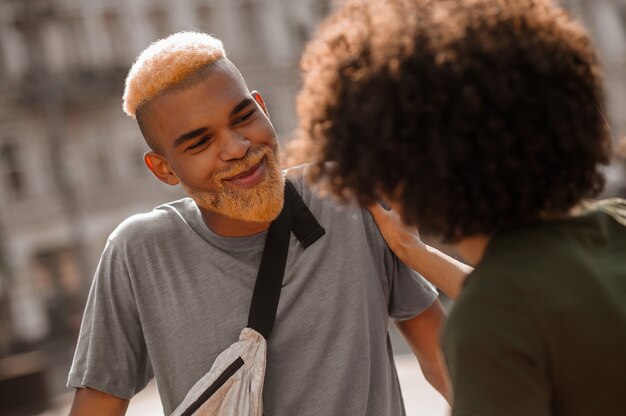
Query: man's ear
{"x":160,"y":168}
{"x":257,"y":97}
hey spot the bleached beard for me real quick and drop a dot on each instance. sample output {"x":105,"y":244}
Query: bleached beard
{"x":259,"y":203}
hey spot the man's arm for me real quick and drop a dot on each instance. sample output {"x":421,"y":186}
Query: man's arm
{"x":438,"y":268}
{"x":422,"y":335}
{"x":90,"y":402}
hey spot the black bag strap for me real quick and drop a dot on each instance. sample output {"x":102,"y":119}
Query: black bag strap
{"x":295,"y":216}
{"x":303,"y":223}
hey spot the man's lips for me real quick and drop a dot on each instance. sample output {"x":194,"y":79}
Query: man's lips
{"x":246,"y":173}
{"x":250,"y":177}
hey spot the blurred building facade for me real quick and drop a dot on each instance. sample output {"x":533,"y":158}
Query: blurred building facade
{"x":71,"y":163}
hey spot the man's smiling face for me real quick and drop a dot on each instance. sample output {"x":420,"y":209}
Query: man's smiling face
{"x":214,"y":137}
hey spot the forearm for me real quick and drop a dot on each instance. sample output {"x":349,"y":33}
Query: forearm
{"x":438,"y":268}
{"x":436,"y":375}
{"x":422,"y":335}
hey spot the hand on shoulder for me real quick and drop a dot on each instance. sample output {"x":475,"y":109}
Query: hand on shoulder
{"x":440,"y":269}
{"x":401,"y":239}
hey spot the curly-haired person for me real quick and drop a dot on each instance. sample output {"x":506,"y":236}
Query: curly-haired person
{"x":482,"y":122}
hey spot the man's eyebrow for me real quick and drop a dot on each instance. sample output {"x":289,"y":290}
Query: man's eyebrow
{"x":243,"y":104}
{"x":188,"y":136}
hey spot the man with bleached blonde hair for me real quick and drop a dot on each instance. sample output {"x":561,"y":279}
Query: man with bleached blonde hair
{"x":173,"y":286}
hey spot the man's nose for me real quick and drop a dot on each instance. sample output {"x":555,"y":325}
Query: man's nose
{"x":234,"y":146}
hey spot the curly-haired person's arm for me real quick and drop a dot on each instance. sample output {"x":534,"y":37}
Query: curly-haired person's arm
{"x":440,"y":269}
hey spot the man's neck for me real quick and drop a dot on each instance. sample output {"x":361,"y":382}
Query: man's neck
{"x":231,"y":227}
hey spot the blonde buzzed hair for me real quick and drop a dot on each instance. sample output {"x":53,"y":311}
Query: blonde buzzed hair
{"x":167,"y":63}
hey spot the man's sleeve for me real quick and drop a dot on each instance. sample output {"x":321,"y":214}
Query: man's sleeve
{"x":111,"y":354}
{"x":496,"y":357}
{"x":409,"y":294}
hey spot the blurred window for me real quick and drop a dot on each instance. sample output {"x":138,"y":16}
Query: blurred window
{"x":300,"y":30}
{"x":12,"y":170}
{"x":204,"y":17}
{"x":102,"y":165}
{"x":610,"y":29}
{"x":58,"y":284}
{"x":159,"y":20}
{"x":302,"y":19}
{"x":137,"y":162}
{"x":621,"y":10}
{"x":75,"y":40}
{"x":324,"y":7}
{"x":3,"y":65}
{"x":116,"y":34}
{"x":254,"y":38}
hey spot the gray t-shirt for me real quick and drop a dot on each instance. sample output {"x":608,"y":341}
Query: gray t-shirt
{"x":169,"y":295}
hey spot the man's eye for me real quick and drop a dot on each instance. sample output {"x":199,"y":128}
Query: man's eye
{"x":245,"y":117}
{"x":199,"y":142}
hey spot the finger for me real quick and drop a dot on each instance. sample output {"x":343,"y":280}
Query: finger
{"x":377,"y":211}
{"x":380,"y":214}
{"x":384,"y":204}
{"x":389,"y":219}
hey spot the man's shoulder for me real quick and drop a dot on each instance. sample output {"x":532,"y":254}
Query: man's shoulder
{"x":299,"y":176}
{"x":314,"y":192}
{"x":345,"y":219}
{"x":161,"y":219}
{"x":327,"y":207}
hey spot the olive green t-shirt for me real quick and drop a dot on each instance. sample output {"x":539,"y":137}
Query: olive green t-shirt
{"x":540,"y":326}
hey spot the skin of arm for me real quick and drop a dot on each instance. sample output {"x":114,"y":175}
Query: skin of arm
{"x":440,"y":269}
{"x":422,"y":335}
{"x":90,"y":402}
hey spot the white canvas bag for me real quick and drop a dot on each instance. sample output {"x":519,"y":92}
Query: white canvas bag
{"x":234,"y":384}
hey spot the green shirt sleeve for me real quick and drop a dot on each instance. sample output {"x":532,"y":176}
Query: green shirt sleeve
{"x":495,"y":354}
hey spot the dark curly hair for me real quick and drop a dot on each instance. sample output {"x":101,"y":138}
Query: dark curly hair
{"x":474,"y":115}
